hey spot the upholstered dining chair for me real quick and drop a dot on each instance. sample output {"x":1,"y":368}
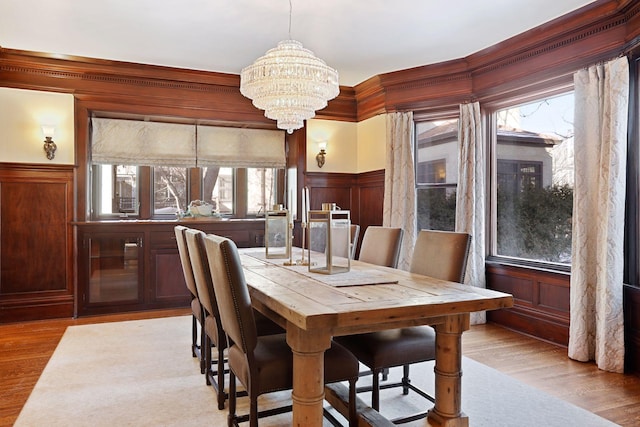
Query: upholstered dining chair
{"x":263,"y":364}
{"x":197,"y":316}
{"x":214,"y":334}
{"x":381,"y":245}
{"x":439,"y":254}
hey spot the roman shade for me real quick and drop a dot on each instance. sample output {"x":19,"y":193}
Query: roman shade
{"x":133,"y":142}
{"x":240,"y":147}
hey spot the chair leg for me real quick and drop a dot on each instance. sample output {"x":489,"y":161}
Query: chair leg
{"x":203,"y":360}
{"x":353,"y":413}
{"x":375,"y":390}
{"x":253,"y":409}
{"x":232,"y":400}
{"x":385,"y":374}
{"x":405,"y":379}
{"x":194,"y":336}
{"x":207,"y":358}
{"x":221,"y":396}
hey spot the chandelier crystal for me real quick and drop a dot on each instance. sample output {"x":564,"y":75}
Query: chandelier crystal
{"x":289,"y":83}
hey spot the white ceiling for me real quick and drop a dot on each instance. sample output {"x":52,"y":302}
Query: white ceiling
{"x":360,"y":38}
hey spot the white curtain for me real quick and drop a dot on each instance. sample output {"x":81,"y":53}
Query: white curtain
{"x":470,"y":196}
{"x":399,"y":185}
{"x":597,"y":327}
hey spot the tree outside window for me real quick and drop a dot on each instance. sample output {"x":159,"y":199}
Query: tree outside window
{"x":534,"y":194}
{"x":436,"y":174}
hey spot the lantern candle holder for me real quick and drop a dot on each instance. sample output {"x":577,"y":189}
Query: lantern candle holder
{"x":332,"y":227}
{"x":277,"y":234}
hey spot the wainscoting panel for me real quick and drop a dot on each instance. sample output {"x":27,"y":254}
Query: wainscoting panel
{"x":36,"y":242}
{"x":541,"y":301}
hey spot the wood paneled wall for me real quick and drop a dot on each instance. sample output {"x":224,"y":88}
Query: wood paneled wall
{"x":362,"y":194}
{"x":541,"y":301}
{"x":36,"y":242}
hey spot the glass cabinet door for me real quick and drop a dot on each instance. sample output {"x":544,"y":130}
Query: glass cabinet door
{"x":114,"y":268}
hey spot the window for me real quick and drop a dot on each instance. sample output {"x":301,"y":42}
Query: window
{"x":515,"y":176}
{"x":169,"y":190}
{"x":436,"y":173}
{"x":237,"y":192}
{"x":241,"y":171}
{"x":218,"y":188}
{"x":533,"y":148}
{"x":261,"y":190}
{"x":115,"y":190}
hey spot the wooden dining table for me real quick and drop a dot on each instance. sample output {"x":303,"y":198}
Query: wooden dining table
{"x":315,"y":307}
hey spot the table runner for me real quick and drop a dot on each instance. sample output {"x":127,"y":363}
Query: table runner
{"x":356,"y":276}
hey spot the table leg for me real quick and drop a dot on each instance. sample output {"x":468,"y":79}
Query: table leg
{"x":447,"y":410}
{"x":308,"y":348}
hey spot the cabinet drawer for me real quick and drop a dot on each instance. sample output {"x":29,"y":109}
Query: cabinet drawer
{"x":239,"y":237}
{"x":163,"y":238}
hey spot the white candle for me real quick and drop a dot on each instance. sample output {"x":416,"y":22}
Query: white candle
{"x":307,"y":201}
{"x":304,"y":206}
{"x":291,"y":206}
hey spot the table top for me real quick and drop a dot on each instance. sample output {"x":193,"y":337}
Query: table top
{"x":344,"y":304}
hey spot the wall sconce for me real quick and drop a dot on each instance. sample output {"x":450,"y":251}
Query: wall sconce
{"x":320,"y":157}
{"x":49,"y":146}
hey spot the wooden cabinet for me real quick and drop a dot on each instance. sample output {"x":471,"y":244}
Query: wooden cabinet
{"x":134,"y":265}
{"x":115,"y":269}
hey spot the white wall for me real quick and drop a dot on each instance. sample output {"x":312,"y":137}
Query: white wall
{"x":341,"y":139}
{"x":372,"y":142}
{"x":22,"y":114}
{"x":351,"y":147}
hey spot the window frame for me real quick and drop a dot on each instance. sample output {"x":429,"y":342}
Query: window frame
{"x":431,"y":117}
{"x":489,"y":112}
{"x":194,"y":187}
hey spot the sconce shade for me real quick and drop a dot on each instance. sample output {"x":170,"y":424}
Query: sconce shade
{"x":48,"y":131}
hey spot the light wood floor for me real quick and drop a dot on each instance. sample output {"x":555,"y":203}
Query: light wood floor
{"x":25,"y":349}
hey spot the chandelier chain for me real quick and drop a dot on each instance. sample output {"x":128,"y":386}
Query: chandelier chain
{"x":290,"y":12}
{"x":289,"y":83}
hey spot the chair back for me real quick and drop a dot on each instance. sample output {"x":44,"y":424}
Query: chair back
{"x":232,"y":293}
{"x":441,"y":254}
{"x":381,"y":245}
{"x":187,"y":269}
{"x":201,"y":271}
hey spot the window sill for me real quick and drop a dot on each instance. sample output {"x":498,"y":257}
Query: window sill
{"x":528,"y":264}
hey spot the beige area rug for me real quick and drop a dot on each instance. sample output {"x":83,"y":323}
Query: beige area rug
{"x":141,"y":373}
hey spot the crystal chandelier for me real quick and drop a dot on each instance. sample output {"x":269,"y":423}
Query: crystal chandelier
{"x":289,"y":83}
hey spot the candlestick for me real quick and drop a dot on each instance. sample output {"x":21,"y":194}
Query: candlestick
{"x":290,"y":243}
{"x":302,"y":261}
